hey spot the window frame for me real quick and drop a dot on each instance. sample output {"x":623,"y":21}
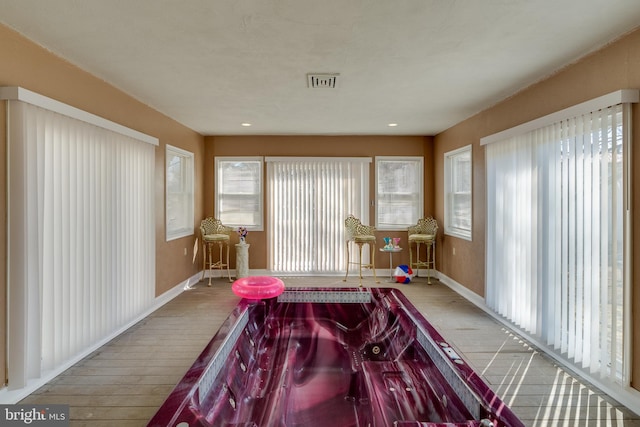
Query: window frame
{"x":259,"y":226}
{"x":187,"y":181}
{"x":449,"y":175}
{"x":419,"y":160}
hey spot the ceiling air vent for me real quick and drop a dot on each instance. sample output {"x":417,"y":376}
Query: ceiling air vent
{"x":323,"y":81}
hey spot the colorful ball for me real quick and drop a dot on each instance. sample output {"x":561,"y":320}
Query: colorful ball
{"x":403,"y":274}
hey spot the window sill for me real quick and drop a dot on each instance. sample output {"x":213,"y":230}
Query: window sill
{"x":178,"y":235}
{"x":465,"y":235}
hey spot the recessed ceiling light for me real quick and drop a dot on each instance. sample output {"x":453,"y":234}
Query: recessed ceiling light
{"x":392,"y":125}
{"x":246,"y":124}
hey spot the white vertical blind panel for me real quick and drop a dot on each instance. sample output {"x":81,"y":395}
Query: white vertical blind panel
{"x":555,"y":238}
{"x":309,"y":199}
{"x":89,"y":232}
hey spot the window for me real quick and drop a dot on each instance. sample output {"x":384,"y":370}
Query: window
{"x":557,"y":261}
{"x":399,"y":185}
{"x":457,"y":193}
{"x":309,"y":199}
{"x":179,"y":197}
{"x":81,"y":211}
{"x":238,"y":197}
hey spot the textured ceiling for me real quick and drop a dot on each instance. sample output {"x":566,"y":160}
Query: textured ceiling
{"x":423,"y":64}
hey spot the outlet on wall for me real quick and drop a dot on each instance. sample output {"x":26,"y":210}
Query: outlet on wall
{"x":185,"y":251}
{"x":454,"y":251}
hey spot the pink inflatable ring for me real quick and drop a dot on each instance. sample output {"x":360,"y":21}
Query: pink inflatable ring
{"x":258,"y":287}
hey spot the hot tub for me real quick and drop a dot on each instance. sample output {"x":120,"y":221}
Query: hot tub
{"x":331,"y":357}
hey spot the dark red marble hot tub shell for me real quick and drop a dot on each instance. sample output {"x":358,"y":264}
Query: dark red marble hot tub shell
{"x":331,"y":364}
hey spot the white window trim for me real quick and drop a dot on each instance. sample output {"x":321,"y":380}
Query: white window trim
{"x":188,"y":229}
{"x":420,"y":214}
{"x":449,"y":229}
{"x":260,"y":159}
{"x":623,"y":96}
{"x":21,"y":94}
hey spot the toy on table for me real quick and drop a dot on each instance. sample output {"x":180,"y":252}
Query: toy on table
{"x":387,"y":243}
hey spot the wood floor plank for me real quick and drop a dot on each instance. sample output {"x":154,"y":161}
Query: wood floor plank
{"x":124,"y":382}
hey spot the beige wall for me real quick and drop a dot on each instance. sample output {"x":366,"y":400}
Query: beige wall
{"x":613,"y":68}
{"x":318,"y":146}
{"x":27,"y":65}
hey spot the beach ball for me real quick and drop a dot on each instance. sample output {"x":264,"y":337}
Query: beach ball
{"x":403,"y":274}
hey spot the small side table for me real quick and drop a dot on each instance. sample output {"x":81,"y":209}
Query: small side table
{"x":391,"y":252}
{"x":242,"y":260}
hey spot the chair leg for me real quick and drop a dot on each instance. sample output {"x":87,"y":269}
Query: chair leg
{"x":219,"y":263}
{"x":228,"y":271}
{"x":410,"y":255}
{"x":433,"y":248}
{"x":204,"y":260}
{"x":373,"y":261}
{"x":345,"y":276}
{"x":428,"y":264}
{"x":210,"y":263}
{"x":431,"y":260}
{"x":360,"y":263}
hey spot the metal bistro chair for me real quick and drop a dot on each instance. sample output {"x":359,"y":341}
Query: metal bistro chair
{"x":423,"y":233}
{"x":214,"y":232}
{"x":361,"y":235}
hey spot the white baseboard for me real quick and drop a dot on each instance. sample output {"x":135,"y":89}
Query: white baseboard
{"x":380,"y":272}
{"x":626,"y":396}
{"x":9,"y":396}
{"x":474,"y":298}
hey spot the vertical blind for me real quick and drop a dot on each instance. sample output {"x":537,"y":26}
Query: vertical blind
{"x":81,"y":240}
{"x":556,"y":237}
{"x":309,"y":199}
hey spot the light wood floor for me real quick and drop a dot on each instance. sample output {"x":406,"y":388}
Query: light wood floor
{"x":124,"y":382}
